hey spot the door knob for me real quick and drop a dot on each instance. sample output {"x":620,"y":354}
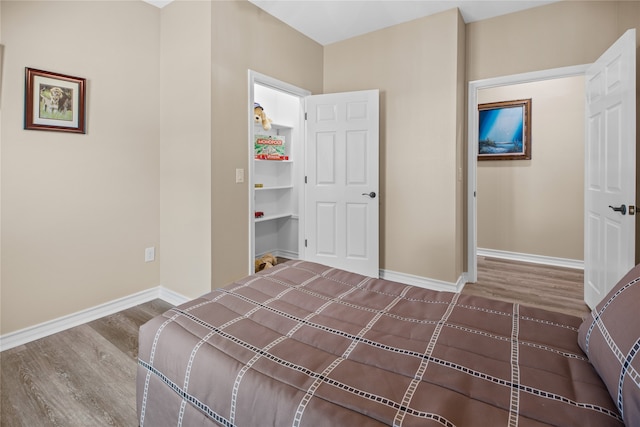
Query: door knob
{"x":622,"y":209}
{"x":372,"y":194}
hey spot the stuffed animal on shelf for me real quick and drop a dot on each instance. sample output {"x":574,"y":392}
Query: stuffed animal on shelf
{"x":264,"y":262}
{"x":261,"y":117}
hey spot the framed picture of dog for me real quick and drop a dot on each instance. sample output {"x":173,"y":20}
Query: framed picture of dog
{"x":54,"y":102}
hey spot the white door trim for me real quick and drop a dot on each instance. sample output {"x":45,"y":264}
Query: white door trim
{"x":264,"y":80}
{"x":472,"y":146}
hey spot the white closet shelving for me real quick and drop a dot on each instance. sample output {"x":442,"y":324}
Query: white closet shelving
{"x":276,"y":195}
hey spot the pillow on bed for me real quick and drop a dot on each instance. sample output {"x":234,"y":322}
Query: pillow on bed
{"x":610,"y":336}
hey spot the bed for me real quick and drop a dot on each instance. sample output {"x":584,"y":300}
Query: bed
{"x":303,"y":344}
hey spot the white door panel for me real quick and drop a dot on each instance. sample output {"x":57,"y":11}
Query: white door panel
{"x":326,"y":228}
{"x":357,"y":221}
{"x":610,"y":168}
{"x":341,"y":172}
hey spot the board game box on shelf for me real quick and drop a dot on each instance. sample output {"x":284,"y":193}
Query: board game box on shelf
{"x":268,"y":147}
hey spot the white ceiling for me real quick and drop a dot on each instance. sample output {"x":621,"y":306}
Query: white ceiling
{"x":330,"y":21}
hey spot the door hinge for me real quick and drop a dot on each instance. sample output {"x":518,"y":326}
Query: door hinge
{"x":305,"y":115}
{"x":305,"y":243}
{"x":305,"y":179}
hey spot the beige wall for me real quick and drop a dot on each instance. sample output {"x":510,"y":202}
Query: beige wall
{"x":418,"y":67}
{"x":461,"y":142}
{"x":557,"y":35}
{"x":79,"y":210}
{"x":244,"y":37}
{"x":419,"y":234}
{"x":185,"y":147}
{"x":1,"y":223}
{"x":536,"y":206}
{"x":167,"y":126}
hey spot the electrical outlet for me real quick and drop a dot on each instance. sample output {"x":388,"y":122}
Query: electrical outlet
{"x":239,"y":176}
{"x":150,"y":254}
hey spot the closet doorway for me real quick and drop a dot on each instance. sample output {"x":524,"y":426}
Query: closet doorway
{"x":317,"y":198}
{"x":276,"y":176}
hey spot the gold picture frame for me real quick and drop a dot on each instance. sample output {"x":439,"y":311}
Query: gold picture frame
{"x":504,"y":131}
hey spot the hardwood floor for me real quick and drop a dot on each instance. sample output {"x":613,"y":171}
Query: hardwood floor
{"x":84,"y":376}
{"x":553,"y":288}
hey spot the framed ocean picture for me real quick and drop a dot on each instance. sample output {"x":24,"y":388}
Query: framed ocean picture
{"x":505,"y":130}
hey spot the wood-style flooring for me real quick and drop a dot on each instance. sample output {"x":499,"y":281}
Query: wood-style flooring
{"x":85,"y":376}
{"x":553,"y":288}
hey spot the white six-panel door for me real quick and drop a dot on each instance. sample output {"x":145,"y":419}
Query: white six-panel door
{"x":610,"y":168}
{"x":341,"y":173}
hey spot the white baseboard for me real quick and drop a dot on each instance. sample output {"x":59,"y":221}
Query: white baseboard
{"x":170,"y":296}
{"x":535,"y":259}
{"x":32,"y":333}
{"x":280,"y":254}
{"x":286,"y":254}
{"x":438,"y":285}
{"x":423,"y":282}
